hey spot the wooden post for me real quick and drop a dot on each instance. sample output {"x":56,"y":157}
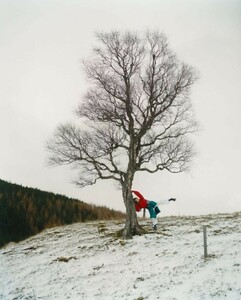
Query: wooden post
{"x":205,"y":241}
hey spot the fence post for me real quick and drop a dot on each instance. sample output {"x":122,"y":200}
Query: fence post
{"x":205,"y":241}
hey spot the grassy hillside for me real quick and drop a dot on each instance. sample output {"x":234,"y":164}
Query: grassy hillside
{"x":26,"y":211}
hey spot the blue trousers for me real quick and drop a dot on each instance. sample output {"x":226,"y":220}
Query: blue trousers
{"x":153,"y":209}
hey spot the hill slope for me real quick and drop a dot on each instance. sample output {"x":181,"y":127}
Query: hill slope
{"x":26,"y":211}
{"x":86,"y":261}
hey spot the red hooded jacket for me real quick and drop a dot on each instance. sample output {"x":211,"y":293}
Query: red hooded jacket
{"x":142,"y":203}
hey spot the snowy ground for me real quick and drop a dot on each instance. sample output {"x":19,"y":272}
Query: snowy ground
{"x":85,"y":261}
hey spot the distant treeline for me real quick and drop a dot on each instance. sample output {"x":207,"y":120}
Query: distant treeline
{"x":26,"y":211}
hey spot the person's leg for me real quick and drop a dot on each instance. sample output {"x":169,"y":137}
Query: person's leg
{"x":157,"y":210}
{"x":154,"y":223}
{"x":154,"y":205}
{"x":151,"y":209}
{"x":152,"y":212}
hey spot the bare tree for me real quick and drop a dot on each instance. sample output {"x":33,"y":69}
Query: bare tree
{"x":137,"y":113}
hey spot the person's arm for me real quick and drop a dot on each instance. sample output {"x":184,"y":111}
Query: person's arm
{"x":139,"y":195}
{"x":137,"y":207}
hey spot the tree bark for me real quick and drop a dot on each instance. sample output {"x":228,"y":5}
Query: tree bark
{"x":132,"y":226}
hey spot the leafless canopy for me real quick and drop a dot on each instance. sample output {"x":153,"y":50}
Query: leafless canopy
{"x":137,"y":111}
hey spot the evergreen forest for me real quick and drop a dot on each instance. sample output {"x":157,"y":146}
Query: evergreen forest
{"x":26,"y":211}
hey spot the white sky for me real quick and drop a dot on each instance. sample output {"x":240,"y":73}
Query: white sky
{"x":41,"y":83}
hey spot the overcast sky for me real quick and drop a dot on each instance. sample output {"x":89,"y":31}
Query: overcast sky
{"x":41,"y":83}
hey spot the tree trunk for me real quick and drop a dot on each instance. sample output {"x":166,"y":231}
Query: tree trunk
{"x":132,"y":226}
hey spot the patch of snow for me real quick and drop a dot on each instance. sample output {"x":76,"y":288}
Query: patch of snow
{"x":86,"y":261}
